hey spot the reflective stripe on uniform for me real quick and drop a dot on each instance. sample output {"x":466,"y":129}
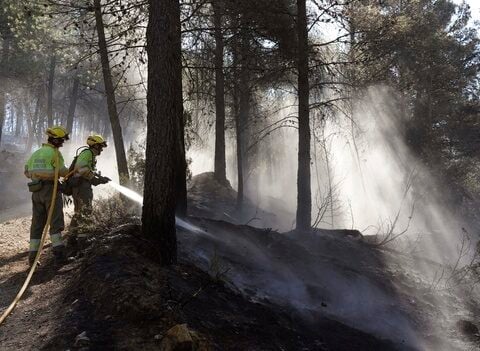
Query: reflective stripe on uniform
{"x":41,"y":174}
{"x":56,"y":239}
{"x":82,"y":235}
{"x":34,"y":245}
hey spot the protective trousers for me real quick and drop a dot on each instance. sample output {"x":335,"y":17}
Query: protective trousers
{"x":82,"y":201}
{"x":41,"y":203}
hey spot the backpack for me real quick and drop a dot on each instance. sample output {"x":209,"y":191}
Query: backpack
{"x":72,"y":182}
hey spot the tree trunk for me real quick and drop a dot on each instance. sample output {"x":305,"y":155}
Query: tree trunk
{"x":304,"y":196}
{"x":6,"y":36}
{"x":29,"y":117}
{"x":164,"y":111}
{"x":238,"y":129}
{"x":238,"y":115}
{"x":241,"y":126}
{"x":19,"y":120}
{"x":220,"y":162}
{"x":38,"y":118}
{"x":40,"y":127}
{"x":73,"y":103}
{"x":2,"y":113}
{"x":51,"y":78}
{"x":28,"y":147}
{"x":181,"y":167}
{"x":110,"y":93}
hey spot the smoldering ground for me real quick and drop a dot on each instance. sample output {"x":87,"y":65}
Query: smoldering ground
{"x":383,"y":190}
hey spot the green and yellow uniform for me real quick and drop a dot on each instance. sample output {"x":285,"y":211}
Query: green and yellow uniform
{"x":84,"y":173}
{"x":41,"y":167}
{"x":84,"y":176}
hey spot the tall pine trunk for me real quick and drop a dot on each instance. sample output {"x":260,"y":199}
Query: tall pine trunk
{"x":220,"y":162}
{"x":19,"y":120}
{"x":51,"y":81}
{"x":38,"y":118}
{"x":239,"y":139}
{"x":110,"y":93}
{"x":238,"y":114}
{"x":181,"y":166}
{"x":6,"y":37}
{"x":241,"y":126}
{"x":304,"y":196}
{"x":164,"y":111}
{"x":2,"y":113}
{"x":73,"y":103}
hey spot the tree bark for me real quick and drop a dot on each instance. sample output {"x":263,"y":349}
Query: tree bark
{"x":239,"y":139}
{"x":19,"y":119}
{"x":239,"y":111}
{"x":110,"y":93}
{"x":241,"y":126}
{"x":73,"y":103}
{"x":2,"y":113}
{"x":181,"y":167}
{"x":6,"y":37}
{"x":38,"y":119}
{"x":39,"y":128}
{"x":304,"y":196}
{"x":30,"y":118}
{"x":164,"y":111}
{"x":220,"y":162}
{"x":51,"y":79}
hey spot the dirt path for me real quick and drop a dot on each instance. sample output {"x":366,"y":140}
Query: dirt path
{"x":33,"y":320}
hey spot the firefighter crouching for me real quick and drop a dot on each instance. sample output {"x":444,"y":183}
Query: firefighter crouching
{"x":83,"y":177}
{"x":40,"y":168}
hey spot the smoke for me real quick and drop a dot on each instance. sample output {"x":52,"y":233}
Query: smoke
{"x":364,"y":176}
{"x":383,"y":188}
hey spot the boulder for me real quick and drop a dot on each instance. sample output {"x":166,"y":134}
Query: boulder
{"x":181,"y":338}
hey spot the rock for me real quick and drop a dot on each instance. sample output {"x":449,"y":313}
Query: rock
{"x":468,"y":329}
{"x":177,"y":338}
{"x":181,"y":338}
{"x":82,"y":340}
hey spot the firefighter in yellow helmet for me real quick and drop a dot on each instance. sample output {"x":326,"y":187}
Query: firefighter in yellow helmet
{"x":40,"y":168}
{"x":84,"y":176}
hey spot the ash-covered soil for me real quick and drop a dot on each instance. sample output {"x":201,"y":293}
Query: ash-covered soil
{"x":235,"y":287}
{"x":118,"y":297}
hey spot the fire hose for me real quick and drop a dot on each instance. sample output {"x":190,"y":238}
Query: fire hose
{"x":24,"y":287}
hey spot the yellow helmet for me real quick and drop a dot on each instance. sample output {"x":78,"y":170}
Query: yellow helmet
{"x":96,"y":140}
{"x":57,"y":132}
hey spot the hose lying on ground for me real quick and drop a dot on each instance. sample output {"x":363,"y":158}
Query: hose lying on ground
{"x":24,"y":287}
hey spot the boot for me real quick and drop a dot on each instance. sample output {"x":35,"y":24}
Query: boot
{"x":31,"y":258}
{"x":60,"y":258}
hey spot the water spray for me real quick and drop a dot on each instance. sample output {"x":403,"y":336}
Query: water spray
{"x":127,"y":192}
{"x":139,"y":199}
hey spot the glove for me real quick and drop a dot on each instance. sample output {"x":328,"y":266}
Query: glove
{"x":104,"y":180}
{"x":97,"y":180}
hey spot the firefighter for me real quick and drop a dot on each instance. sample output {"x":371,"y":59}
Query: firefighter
{"x":83,"y":177}
{"x":40,"y":168}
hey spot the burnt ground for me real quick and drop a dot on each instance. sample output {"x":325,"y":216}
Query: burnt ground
{"x":122,"y":299}
{"x":230,"y":286}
